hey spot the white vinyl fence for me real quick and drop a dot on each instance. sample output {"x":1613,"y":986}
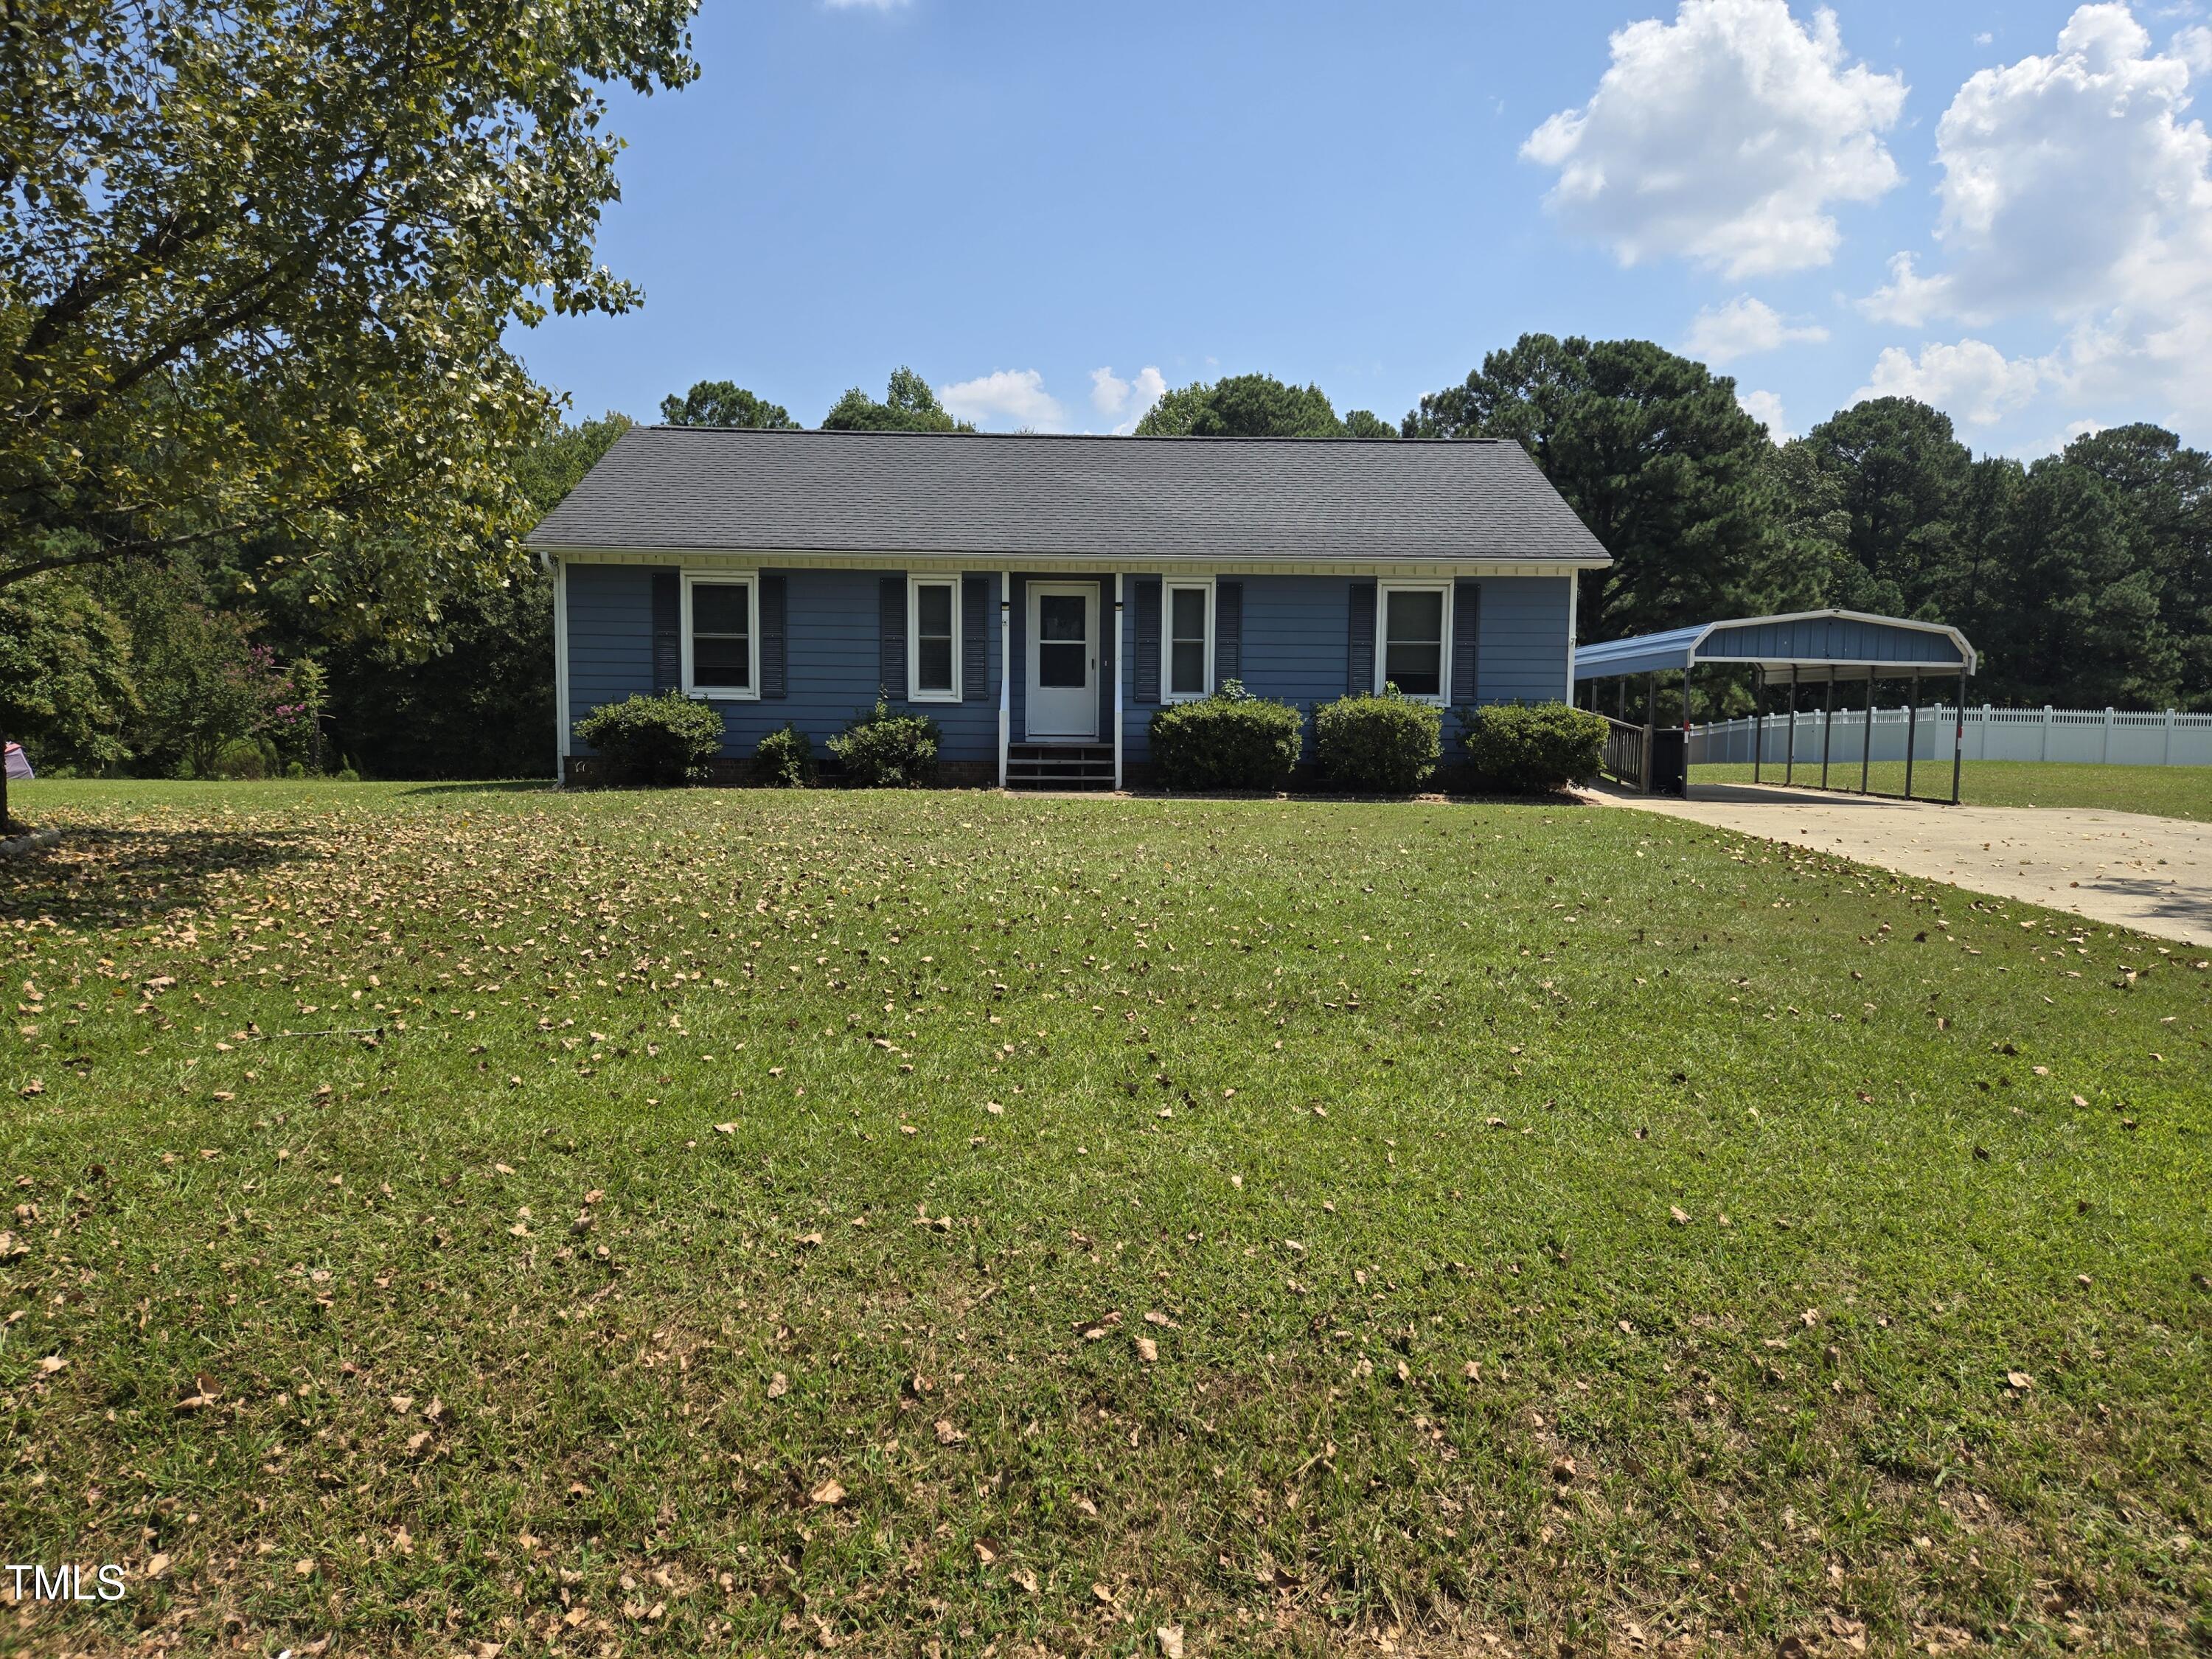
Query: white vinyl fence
{"x":2094,"y":735}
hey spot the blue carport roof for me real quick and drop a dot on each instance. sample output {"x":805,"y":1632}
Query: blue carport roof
{"x":1813,"y":646}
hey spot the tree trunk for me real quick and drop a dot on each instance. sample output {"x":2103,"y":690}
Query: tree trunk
{"x":7,"y":825}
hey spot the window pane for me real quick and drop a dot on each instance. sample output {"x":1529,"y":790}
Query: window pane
{"x":1063,"y":617}
{"x":1060,"y":663}
{"x":717,"y":608}
{"x":1189,"y":614}
{"x":933,"y":611}
{"x":1417,"y":617}
{"x":1416,"y":670}
{"x":720,"y":662}
{"x":1188,"y":677}
{"x":933,"y":664}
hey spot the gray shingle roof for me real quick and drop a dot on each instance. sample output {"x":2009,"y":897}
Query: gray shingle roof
{"x":679,"y":488}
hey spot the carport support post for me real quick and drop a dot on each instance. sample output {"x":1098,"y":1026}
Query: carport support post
{"x":1790,"y":750}
{"x":1958,"y":736}
{"x":1911,"y":730}
{"x":1827,"y":724}
{"x":1866,"y":733}
{"x":1758,"y":720}
{"x":1651,"y":723}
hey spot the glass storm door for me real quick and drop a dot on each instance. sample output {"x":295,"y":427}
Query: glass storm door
{"x":1063,"y":667}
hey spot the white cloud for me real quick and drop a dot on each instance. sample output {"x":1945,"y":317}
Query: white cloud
{"x":1011,"y":394}
{"x":1908,"y":298}
{"x":1722,"y":136}
{"x":1765,"y":408}
{"x":2076,"y":190}
{"x":1743,"y":326}
{"x":1127,"y":401}
{"x":1972,"y":381}
{"x":2193,"y":46}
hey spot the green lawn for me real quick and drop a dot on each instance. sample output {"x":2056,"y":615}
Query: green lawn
{"x":2173,"y":792}
{"x":730,"y":1221}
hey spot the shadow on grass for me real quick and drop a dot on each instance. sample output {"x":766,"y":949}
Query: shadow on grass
{"x":501,"y":787}
{"x":96,"y":877}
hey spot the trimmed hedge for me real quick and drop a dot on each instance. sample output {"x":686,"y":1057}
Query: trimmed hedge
{"x":660,"y":742}
{"x":1231,"y":740}
{"x":1528,"y":748}
{"x":1386,"y":744}
{"x":785,"y":759}
{"x":883,"y":749}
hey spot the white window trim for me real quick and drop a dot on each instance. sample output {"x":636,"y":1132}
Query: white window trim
{"x":1382,"y":591}
{"x":914,"y":691}
{"x":1168,"y":590}
{"x":750,"y":583}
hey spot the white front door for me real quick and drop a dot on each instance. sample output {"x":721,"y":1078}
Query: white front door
{"x":1063,"y":666}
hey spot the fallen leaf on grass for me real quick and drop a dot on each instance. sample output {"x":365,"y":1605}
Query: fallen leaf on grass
{"x":947,"y":1433}
{"x":158,"y":1566}
{"x":1147,"y":1350}
{"x":828,"y":1494}
{"x":51,"y":1364}
{"x":778,"y":1386}
{"x":2019,"y":1380}
{"x":1677,"y":1215}
{"x":1170,"y":1638}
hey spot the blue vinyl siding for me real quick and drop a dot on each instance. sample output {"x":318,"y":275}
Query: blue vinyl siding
{"x":1294,"y":650}
{"x":832,"y":658}
{"x":1524,"y":647}
{"x":1296,"y":646}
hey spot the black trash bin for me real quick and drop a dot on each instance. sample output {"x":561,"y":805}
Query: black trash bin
{"x":1670,"y":761}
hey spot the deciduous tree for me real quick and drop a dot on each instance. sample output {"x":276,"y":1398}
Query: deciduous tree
{"x":723,"y":403}
{"x":907,"y":405}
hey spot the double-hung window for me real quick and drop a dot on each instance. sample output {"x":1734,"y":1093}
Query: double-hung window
{"x":1189,"y":641}
{"x":721,"y":636}
{"x":1415,"y":625}
{"x":932,"y":627}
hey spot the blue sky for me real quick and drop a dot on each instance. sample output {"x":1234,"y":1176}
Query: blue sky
{"x":1011,"y":198}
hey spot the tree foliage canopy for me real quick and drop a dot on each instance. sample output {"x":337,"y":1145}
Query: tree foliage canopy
{"x":723,"y":403}
{"x":1254,"y":406}
{"x":256,"y":263}
{"x":907,"y":405}
{"x":1651,"y":449}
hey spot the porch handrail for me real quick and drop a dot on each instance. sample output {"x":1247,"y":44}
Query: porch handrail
{"x":1627,"y":753}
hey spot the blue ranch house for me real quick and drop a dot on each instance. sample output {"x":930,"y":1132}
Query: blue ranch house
{"x":1042,"y":596}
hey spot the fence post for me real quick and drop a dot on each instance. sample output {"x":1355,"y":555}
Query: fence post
{"x":2166,"y":755}
{"x":2105,"y":753}
{"x":2044,"y":753}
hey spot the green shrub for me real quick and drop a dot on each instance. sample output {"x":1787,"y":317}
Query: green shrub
{"x":660,"y":741}
{"x":883,"y":749}
{"x":345,"y":775}
{"x":785,"y":759}
{"x":1385,"y":745}
{"x":1523,"y":748}
{"x":246,"y":759}
{"x":1231,"y":740}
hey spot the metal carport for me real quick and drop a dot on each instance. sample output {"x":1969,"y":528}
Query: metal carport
{"x":1823,"y":648}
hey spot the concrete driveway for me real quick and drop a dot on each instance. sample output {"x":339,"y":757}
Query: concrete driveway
{"x":2123,"y":868}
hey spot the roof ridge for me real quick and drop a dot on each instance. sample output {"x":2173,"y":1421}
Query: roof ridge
{"x":1093,"y":437}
